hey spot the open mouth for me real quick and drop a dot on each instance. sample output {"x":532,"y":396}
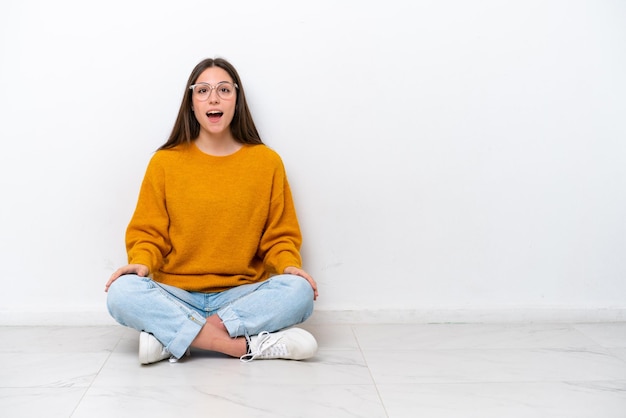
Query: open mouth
{"x":214,"y":115}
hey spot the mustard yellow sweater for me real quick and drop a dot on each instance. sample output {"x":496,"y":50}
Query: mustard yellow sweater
{"x":206,"y":223}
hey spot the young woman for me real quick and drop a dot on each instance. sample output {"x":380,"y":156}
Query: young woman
{"x":213,"y":245}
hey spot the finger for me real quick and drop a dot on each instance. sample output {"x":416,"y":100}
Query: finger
{"x":113,"y":278}
{"x":304,"y":274}
{"x":313,"y":284}
{"x":299,"y":272}
{"x":116,"y":275}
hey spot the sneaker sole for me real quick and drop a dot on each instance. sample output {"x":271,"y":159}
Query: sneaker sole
{"x":144,"y":342}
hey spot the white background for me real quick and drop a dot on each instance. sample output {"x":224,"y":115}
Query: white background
{"x":444,"y":156}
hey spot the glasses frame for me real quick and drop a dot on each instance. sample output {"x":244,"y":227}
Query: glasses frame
{"x":211,"y":88}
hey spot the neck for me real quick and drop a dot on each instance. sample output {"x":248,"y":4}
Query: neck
{"x":218,"y":145}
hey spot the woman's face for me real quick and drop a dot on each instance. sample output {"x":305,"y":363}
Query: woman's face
{"x":215,"y":113}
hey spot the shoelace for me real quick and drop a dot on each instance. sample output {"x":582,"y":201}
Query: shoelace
{"x":173,"y":359}
{"x":265,"y":348}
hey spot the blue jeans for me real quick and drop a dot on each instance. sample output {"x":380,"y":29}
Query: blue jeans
{"x":175,"y":316}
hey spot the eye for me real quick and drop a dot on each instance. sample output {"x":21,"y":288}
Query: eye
{"x":225,"y":89}
{"x":202,"y":90}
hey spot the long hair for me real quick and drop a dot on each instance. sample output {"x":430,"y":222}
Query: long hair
{"x":186,"y":128}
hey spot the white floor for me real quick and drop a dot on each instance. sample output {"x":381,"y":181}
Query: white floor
{"x":450,"y":370}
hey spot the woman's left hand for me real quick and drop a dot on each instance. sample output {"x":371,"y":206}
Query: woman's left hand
{"x":299,"y":272}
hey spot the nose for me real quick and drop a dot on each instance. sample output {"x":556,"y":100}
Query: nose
{"x":213,"y":98}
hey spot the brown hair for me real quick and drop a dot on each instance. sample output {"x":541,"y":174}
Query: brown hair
{"x":186,"y":128}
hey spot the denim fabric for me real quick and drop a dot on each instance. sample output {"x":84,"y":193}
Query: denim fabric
{"x":175,"y":316}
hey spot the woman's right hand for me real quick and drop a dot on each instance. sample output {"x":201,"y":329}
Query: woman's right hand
{"x":138,"y":269}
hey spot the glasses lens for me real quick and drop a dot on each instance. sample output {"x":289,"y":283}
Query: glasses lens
{"x":202,"y":91}
{"x":225,"y":90}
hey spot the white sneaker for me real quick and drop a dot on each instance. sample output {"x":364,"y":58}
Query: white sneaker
{"x":151,"y":350}
{"x":291,"y":344}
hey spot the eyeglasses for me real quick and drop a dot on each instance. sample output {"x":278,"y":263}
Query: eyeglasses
{"x":225,"y":90}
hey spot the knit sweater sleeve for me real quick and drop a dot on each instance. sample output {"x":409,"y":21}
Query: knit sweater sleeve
{"x":147,"y":239}
{"x":280,"y":243}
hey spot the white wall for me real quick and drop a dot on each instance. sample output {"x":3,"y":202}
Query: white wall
{"x":445,"y":156}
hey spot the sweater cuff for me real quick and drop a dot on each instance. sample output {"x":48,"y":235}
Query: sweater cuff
{"x":144,"y":260}
{"x":287,"y":260}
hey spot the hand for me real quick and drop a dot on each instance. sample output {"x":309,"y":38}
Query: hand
{"x":138,"y":269}
{"x":299,"y":272}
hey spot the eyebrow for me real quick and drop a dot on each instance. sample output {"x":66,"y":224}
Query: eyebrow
{"x":219,"y":82}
